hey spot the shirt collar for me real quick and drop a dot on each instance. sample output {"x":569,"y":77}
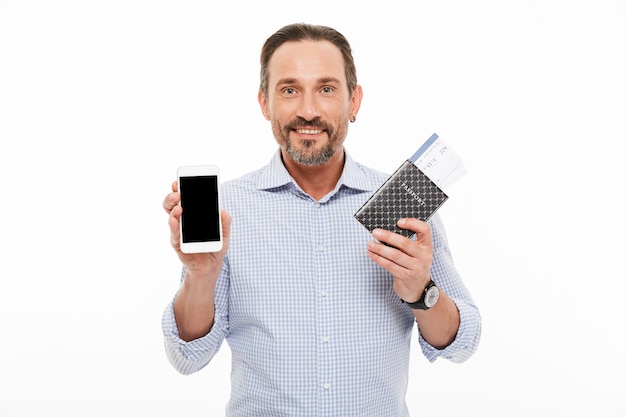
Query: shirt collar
{"x":354,"y":176}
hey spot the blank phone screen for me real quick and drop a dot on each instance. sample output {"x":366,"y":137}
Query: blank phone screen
{"x":198,"y":197}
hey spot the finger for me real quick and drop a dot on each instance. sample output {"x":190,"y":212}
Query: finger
{"x":226,"y":221}
{"x":170,"y":201}
{"x":420,"y":227}
{"x":413,"y":224}
{"x":389,"y":258}
{"x":392,"y":239}
{"x":174,"y":224}
{"x":174,"y":232}
{"x":388,"y":253}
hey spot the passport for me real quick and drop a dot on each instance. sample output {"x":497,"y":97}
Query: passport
{"x":409,"y":192}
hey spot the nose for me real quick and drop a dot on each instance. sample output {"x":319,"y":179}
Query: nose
{"x":309,"y":107}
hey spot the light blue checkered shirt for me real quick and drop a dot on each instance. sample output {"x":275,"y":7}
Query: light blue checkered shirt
{"x":314,"y":326}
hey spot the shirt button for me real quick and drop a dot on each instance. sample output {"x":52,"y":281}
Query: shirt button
{"x":326,"y":386}
{"x":321,"y":248}
{"x":323,"y":293}
{"x":325,"y":339}
{"x":318,"y":205}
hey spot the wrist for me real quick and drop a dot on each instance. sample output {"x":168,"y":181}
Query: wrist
{"x":201,"y":281}
{"x":202,"y":270}
{"x":427,"y":299}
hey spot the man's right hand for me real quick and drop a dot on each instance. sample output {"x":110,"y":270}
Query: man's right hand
{"x":196,"y":263}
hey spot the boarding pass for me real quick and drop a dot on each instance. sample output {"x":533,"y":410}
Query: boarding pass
{"x":438,"y":161}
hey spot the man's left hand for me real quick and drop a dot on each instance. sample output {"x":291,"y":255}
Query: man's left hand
{"x":406,"y":259}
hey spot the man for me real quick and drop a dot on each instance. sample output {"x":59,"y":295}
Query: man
{"x":316,"y":310}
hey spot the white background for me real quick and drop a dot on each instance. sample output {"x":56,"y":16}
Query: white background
{"x":100,"y":101}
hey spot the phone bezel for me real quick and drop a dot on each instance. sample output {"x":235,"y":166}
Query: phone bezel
{"x":205,"y":246}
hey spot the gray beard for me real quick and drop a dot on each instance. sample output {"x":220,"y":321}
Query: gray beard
{"x":308,"y":159}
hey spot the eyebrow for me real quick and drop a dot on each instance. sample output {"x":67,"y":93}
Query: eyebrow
{"x":323,"y":80}
{"x":327,"y":80}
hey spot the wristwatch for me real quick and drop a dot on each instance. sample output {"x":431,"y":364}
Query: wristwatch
{"x":428,"y":299}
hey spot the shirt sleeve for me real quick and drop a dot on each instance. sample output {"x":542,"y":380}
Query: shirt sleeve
{"x":445,"y":275}
{"x":192,"y":356}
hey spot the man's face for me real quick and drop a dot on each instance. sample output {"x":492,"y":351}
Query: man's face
{"x":308,"y":101}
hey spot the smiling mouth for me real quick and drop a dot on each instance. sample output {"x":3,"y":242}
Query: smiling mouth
{"x":309,"y":131}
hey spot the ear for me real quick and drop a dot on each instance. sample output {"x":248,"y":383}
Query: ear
{"x":355,"y":103}
{"x":264,"y":106}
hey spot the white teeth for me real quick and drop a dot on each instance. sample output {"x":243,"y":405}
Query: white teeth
{"x":309,"y":131}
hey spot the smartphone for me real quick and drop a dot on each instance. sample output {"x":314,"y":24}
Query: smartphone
{"x":200,"y":222}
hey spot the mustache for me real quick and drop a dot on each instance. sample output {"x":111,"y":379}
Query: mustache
{"x":300,"y":122}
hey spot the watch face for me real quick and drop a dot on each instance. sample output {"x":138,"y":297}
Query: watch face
{"x":432,"y":295}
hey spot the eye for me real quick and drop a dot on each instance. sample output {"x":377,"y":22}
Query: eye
{"x":289,"y":91}
{"x":327,"y":90}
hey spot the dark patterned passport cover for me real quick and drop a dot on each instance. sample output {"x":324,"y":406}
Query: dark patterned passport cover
{"x":408,"y":192}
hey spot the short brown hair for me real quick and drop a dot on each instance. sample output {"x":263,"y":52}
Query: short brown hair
{"x":304,"y":31}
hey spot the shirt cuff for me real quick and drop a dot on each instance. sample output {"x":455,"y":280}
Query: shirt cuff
{"x":189,"y":357}
{"x":466,"y":341}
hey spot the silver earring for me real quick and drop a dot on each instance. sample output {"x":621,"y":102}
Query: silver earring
{"x":353,"y":119}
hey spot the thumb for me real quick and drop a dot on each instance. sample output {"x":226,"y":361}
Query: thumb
{"x":226,"y":221}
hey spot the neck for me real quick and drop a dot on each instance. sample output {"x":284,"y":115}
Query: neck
{"x":319,"y":180}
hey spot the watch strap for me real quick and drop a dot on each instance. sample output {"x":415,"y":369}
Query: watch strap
{"x":421,"y":304}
